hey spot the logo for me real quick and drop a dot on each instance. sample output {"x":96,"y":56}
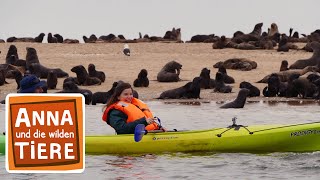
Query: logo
{"x":45,"y":133}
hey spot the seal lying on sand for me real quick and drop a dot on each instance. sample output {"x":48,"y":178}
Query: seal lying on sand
{"x":284,"y":75}
{"x":71,"y":87}
{"x":42,"y":71}
{"x":188,"y":91}
{"x":103,"y":97}
{"x":239,"y":101}
{"x":237,"y":63}
{"x":170,"y":72}
{"x":254,"y":91}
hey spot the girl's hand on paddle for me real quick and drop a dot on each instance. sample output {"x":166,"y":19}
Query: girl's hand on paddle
{"x":150,"y":120}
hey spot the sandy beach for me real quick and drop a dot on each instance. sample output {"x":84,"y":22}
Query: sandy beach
{"x":153,"y":56}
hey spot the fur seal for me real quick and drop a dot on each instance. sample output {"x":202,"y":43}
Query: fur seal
{"x":71,"y":41}
{"x":31,"y":57}
{"x":170,"y":72}
{"x":103,"y":97}
{"x":52,"y":79}
{"x":201,"y":38}
{"x":39,"y":38}
{"x":253,"y":36}
{"x":312,"y":61}
{"x":226,"y":78}
{"x":273,"y":29}
{"x":142,"y":80}
{"x":305,"y":88}
{"x":42,"y":71}
{"x":59,"y":38}
{"x":239,"y":102}
{"x":206,"y":81}
{"x":51,"y":39}
{"x":284,"y":75}
{"x":94,"y":73}
{"x":254,"y":91}
{"x":242,"y":64}
{"x":71,"y":87}
{"x":83,"y":76}
{"x":188,"y":91}
{"x":2,"y":77}
{"x":12,"y":51}
{"x":220,"y":86}
{"x":284,"y":65}
{"x":17,"y":76}
{"x":221,"y":43}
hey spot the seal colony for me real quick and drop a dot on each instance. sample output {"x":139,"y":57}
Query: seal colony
{"x":248,"y":66}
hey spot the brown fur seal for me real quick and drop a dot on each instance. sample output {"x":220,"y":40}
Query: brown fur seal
{"x":31,"y":57}
{"x":226,"y":78}
{"x":312,"y":61}
{"x":94,"y":73}
{"x":12,"y":51}
{"x":17,"y":76}
{"x":83,"y":76}
{"x":71,"y":87}
{"x":71,"y":41}
{"x":284,"y":65}
{"x":59,"y":38}
{"x":239,"y":102}
{"x":170,"y":72}
{"x":142,"y":80}
{"x":206,"y":81}
{"x":103,"y":97}
{"x":254,"y":91}
{"x":221,"y":43}
{"x":305,"y":88}
{"x":52,"y":79}
{"x":273,"y":29}
{"x":284,"y":75}
{"x":188,"y":91}
{"x":39,"y":38}
{"x":2,"y":77}
{"x":51,"y":39}
{"x":253,"y":36}
{"x":42,"y":71}
{"x":242,"y":64}
{"x":220,"y":85}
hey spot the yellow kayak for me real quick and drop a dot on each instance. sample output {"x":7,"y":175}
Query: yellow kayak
{"x":251,"y":139}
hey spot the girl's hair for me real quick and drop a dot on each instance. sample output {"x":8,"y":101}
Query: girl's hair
{"x":118,"y":90}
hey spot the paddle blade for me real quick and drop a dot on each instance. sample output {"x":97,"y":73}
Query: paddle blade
{"x":139,"y":132}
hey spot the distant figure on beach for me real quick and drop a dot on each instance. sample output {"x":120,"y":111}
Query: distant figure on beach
{"x":126,"y":50}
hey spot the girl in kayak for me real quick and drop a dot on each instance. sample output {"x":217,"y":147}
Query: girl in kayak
{"x":123,"y":112}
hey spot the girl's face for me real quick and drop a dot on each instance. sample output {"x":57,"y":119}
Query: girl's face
{"x":126,"y":95}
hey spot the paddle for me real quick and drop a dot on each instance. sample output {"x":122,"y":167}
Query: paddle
{"x":139,"y":131}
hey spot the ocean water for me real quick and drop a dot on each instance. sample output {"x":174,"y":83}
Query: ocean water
{"x":206,"y":165}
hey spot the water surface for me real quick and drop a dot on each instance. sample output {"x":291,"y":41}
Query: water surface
{"x":208,"y":165}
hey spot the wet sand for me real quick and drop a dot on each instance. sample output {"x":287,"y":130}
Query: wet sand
{"x":153,"y":56}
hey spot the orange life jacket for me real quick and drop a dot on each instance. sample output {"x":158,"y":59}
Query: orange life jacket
{"x":134,"y":110}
